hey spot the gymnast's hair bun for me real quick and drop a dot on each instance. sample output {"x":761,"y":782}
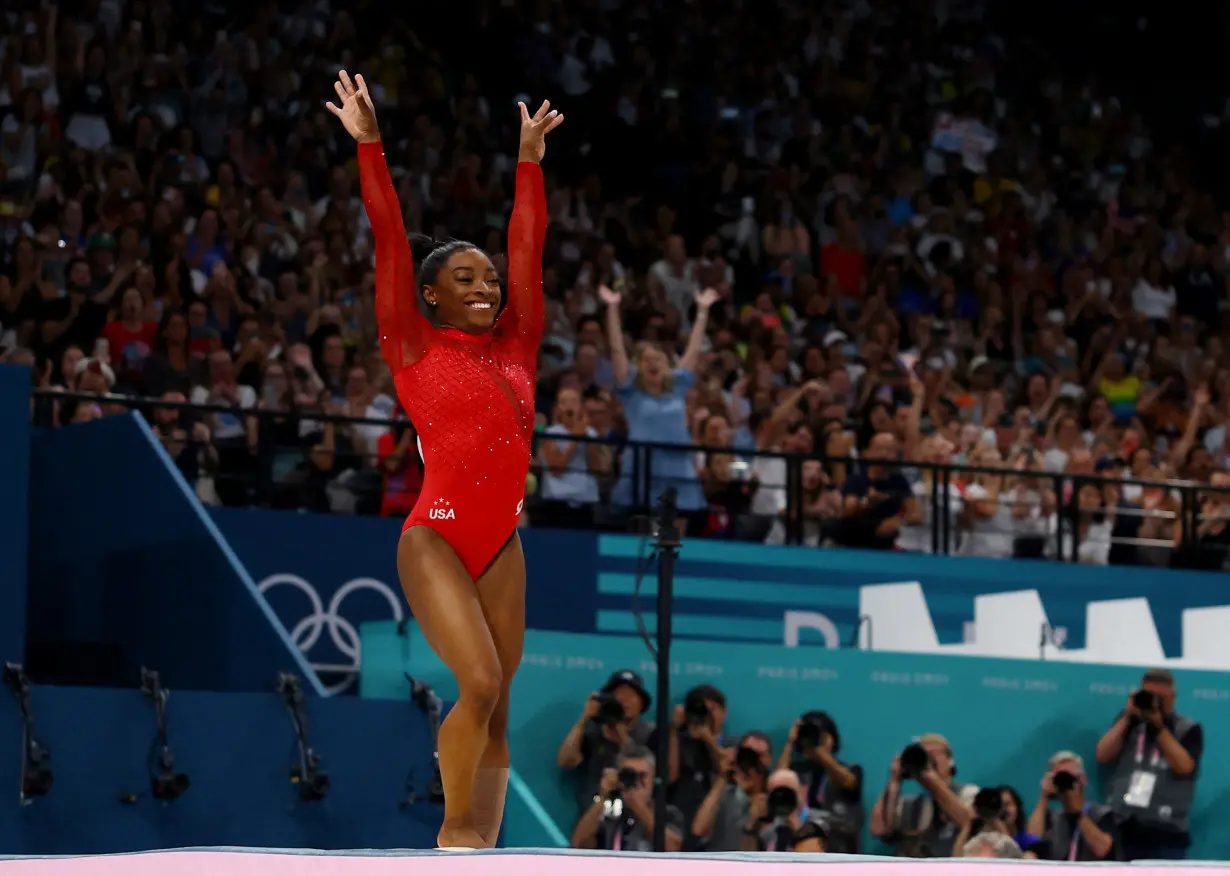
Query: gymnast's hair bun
{"x":421,"y":246}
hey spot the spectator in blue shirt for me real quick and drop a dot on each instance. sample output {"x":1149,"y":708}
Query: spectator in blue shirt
{"x":655,"y":403}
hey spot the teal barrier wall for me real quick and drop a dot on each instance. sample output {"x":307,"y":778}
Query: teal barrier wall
{"x":1004,"y":718}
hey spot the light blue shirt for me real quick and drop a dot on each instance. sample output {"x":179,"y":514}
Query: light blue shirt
{"x":662,"y":419}
{"x":576,"y":485}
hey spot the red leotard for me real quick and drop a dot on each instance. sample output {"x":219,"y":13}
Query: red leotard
{"x":470,"y":397}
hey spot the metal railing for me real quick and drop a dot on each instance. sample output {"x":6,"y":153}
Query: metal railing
{"x":313,"y":460}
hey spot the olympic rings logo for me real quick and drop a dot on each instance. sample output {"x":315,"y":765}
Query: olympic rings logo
{"x":343,"y":634}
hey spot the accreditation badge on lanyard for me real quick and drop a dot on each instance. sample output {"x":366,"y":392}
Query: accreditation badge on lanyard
{"x":1140,"y":789}
{"x":1075,"y":845}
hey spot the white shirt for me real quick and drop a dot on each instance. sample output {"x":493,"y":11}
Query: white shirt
{"x":381,"y":408}
{"x":1151,"y":302}
{"x":917,"y":536}
{"x":576,"y":485}
{"x":680,"y":289}
{"x":571,"y":76}
{"x":769,"y":500}
{"x":1094,"y":547}
{"x":226,"y":425}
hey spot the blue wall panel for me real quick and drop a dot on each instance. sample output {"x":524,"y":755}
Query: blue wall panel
{"x":14,"y":487}
{"x":126,"y":567}
{"x":343,"y":576}
{"x":237,"y":749}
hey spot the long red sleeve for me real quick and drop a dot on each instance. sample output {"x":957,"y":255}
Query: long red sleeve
{"x":527,"y":231}
{"x":404,"y":330}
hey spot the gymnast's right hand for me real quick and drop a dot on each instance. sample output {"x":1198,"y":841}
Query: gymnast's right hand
{"x":357,"y":112}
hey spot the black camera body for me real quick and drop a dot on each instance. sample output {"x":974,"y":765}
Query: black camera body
{"x":1144,"y":700}
{"x":628,"y":778}
{"x":748,"y":760}
{"x":808,"y":736}
{"x":989,"y":804}
{"x":1064,"y":782}
{"x":696,"y":709}
{"x":813,"y":727}
{"x":610,"y":710}
{"x":914,"y":760}
{"x":782,"y":803}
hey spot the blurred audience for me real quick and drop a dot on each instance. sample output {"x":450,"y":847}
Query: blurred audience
{"x":879,"y":246}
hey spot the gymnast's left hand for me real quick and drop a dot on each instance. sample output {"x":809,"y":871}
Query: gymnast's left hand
{"x":534,"y":130}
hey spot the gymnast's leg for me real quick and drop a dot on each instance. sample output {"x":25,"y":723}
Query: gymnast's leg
{"x":444,"y":600}
{"x":501,"y":591}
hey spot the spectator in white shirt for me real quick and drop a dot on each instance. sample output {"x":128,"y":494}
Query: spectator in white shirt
{"x":1153,"y":297}
{"x":674,"y":275}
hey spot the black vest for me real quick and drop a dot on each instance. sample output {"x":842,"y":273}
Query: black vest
{"x":1059,"y":837}
{"x":923,"y":830}
{"x":842,"y":819}
{"x":1168,"y":805}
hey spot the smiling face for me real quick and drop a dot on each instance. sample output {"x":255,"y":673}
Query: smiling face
{"x":466,"y":292}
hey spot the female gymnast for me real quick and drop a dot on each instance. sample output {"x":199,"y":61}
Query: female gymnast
{"x":466,"y":379}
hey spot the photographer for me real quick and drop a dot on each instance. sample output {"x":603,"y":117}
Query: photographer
{"x":698,"y":752}
{"x":923,"y":825}
{"x":1154,"y":754}
{"x":1081,"y":831}
{"x":832,"y":788}
{"x":610,"y":722}
{"x":620,"y":818}
{"x":725,"y":816}
{"x":785,"y":824}
{"x":997,"y":812}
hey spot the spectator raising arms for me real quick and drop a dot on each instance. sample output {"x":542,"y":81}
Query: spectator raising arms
{"x":654,"y":396}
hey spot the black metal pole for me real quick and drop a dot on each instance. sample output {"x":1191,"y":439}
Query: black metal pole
{"x":668,"y":550}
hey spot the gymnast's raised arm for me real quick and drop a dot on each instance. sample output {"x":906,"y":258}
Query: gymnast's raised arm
{"x":527,"y":230}
{"x":404,"y":330}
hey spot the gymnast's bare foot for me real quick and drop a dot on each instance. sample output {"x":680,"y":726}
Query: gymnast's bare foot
{"x":464,"y":836}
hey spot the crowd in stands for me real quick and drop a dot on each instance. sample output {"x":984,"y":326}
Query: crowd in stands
{"x":871,"y":235}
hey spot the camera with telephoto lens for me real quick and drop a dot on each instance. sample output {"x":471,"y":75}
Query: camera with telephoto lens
{"x":813,"y":727}
{"x":610,"y":710}
{"x":696,"y":709}
{"x":1064,"y":781}
{"x":782,"y":803}
{"x":914,"y":760}
{"x":808,"y":736}
{"x":989,"y":804}
{"x":1144,"y":700}
{"x":628,"y":778}
{"x":748,"y":760}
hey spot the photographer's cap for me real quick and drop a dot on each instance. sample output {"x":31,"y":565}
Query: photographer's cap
{"x":628,"y":678}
